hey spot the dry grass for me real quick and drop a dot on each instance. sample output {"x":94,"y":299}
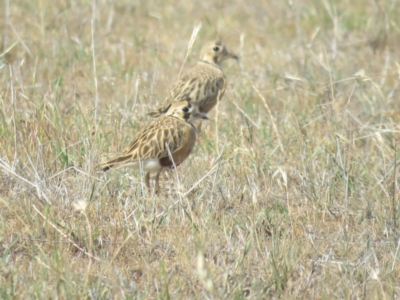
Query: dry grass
{"x":293,"y":193}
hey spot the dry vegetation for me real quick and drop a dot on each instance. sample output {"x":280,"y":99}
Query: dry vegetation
{"x":291,"y":192}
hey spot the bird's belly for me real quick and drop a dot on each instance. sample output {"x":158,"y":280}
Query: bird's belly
{"x":147,"y":165}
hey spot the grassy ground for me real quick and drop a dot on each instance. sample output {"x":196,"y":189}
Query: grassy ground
{"x":291,"y":192}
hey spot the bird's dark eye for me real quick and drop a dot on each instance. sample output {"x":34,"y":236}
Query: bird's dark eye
{"x":185,"y":109}
{"x":216,"y":49}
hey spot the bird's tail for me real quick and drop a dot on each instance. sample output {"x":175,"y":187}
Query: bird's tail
{"x":155,"y":114}
{"x":159,"y":111}
{"x":115,"y":163}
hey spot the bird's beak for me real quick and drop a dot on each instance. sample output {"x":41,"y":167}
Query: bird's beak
{"x":200,"y":116}
{"x":233,"y":56}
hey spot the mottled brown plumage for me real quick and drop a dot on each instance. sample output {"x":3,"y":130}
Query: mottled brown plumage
{"x":149,"y":149}
{"x":203,"y":85}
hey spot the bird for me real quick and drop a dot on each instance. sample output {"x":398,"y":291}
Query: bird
{"x":205,"y":84}
{"x":164,"y":143}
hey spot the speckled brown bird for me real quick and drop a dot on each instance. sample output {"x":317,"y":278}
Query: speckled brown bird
{"x":149,"y":149}
{"x":205,"y":84}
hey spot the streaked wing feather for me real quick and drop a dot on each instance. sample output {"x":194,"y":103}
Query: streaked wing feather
{"x":200,"y":85}
{"x":151,"y":142}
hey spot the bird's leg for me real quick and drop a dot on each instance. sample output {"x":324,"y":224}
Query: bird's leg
{"x":198,"y":128}
{"x":199,"y":131}
{"x":147,"y":180}
{"x":157,"y":186}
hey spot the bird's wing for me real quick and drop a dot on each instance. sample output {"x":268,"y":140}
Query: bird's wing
{"x":180,"y":92}
{"x":151,"y":143}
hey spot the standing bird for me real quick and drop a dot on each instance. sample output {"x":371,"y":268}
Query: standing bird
{"x":204,"y":85}
{"x":165,"y":142}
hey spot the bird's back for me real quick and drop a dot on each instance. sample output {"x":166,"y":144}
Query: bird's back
{"x":155,"y":141}
{"x":201,"y":85}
